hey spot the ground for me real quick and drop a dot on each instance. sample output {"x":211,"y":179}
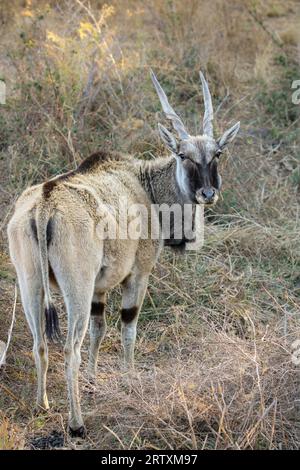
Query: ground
{"x":214,"y":358}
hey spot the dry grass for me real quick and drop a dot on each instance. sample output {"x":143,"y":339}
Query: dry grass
{"x":291,"y":36}
{"x":214,"y":365}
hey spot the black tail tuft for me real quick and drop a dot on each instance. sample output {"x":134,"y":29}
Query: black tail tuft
{"x":52,"y":324}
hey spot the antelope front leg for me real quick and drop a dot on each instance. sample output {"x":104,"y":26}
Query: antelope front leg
{"x":134,"y":289}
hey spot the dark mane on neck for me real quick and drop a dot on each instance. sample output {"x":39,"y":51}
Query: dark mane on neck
{"x":96,"y":159}
{"x":87,"y":165}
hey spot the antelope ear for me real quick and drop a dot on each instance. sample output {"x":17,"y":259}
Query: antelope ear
{"x":229,"y":135}
{"x":168,"y":138}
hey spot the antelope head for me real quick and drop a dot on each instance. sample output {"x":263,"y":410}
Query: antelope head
{"x":196,"y":156}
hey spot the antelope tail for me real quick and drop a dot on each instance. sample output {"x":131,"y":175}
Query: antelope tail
{"x":52,"y":323}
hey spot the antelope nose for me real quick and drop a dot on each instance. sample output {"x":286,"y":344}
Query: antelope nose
{"x":208,"y":194}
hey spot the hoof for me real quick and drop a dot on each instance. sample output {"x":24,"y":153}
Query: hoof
{"x":40,"y":410}
{"x":92,"y":379}
{"x":80,"y":432}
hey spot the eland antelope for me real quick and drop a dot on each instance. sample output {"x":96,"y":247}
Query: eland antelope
{"x":53,"y":240}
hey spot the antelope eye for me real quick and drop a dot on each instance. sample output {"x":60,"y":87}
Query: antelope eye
{"x":181,"y":156}
{"x":218,"y":153}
